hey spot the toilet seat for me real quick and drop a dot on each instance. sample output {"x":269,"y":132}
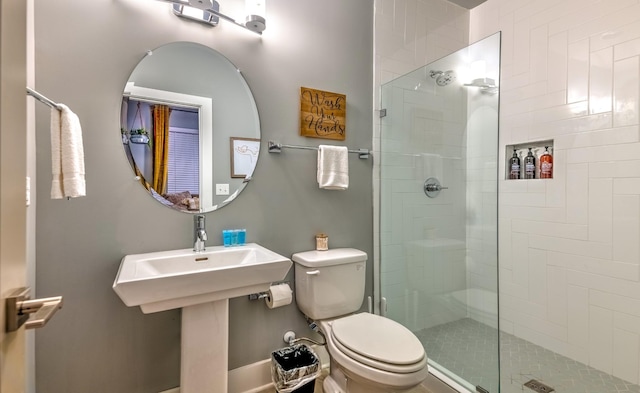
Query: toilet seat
{"x":387,"y":346}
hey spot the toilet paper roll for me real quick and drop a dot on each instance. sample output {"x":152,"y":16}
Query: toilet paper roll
{"x":279,"y":295}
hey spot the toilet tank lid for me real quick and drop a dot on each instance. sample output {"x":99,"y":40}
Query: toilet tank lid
{"x":334,"y":256}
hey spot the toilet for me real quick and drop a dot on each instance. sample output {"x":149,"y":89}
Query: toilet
{"x":368,"y":353}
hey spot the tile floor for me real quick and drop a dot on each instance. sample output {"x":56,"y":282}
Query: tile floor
{"x":468,"y":348}
{"x":318,"y":388}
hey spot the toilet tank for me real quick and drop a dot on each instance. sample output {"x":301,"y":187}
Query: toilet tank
{"x":329,"y":283}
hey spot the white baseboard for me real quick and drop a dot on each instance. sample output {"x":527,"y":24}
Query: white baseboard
{"x":251,"y":378}
{"x":256,"y":377}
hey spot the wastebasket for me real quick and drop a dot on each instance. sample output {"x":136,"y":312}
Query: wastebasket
{"x":295,"y":369}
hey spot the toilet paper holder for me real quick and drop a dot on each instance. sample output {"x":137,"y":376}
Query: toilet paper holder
{"x":258,"y":296}
{"x":264,"y":295}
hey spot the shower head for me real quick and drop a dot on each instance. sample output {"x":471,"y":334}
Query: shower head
{"x":486,"y":85}
{"x":443,"y":78}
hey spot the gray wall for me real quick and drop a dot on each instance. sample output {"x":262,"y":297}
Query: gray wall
{"x":85,"y":52}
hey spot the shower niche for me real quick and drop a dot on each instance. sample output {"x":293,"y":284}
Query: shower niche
{"x":541,"y":169}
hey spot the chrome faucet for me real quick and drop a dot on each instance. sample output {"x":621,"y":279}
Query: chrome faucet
{"x":199,"y":233}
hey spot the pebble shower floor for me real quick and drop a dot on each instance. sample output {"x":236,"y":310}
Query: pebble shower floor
{"x":467,"y":348}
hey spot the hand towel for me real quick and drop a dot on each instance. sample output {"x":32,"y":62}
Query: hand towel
{"x":67,"y":154}
{"x":333,"y":167}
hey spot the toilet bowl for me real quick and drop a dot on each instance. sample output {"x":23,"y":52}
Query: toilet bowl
{"x":368,"y":353}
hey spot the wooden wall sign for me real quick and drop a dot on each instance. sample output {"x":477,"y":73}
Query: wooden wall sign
{"x":322,"y":114}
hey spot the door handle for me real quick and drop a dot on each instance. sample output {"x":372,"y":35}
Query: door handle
{"x":20,"y":307}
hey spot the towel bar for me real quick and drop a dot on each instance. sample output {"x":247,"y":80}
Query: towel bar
{"x":42,"y":98}
{"x":275,"y":147}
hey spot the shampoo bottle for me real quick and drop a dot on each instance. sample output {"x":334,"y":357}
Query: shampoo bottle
{"x":530,"y":165}
{"x":514,"y":166}
{"x":546,"y":164}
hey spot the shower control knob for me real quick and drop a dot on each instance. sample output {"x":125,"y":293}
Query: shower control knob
{"x":432,"y":187}
{"x":435,"y":187}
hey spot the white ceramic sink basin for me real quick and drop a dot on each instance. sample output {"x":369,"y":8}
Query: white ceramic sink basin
{"x":165,"y":280}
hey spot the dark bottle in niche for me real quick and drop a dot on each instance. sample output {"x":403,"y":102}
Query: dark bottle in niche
{"x":546,"y":164}
{"x":530,"y":165}
{"x":514,"y":166}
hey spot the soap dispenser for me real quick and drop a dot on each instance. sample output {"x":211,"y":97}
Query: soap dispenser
{"x":514,"y":166}
{"x":546,"y":164}
{"x":530,"y":165}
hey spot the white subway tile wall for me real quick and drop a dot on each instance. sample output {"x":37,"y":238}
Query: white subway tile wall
{"x":570,"y":246}
{"x":571,"y":72}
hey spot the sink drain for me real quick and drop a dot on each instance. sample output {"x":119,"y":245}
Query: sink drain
{"x":537,"y":386}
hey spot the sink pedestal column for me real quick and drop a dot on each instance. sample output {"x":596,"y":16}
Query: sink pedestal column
{"x":205,"y":348}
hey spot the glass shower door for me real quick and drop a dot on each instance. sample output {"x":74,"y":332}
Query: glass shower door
{"x":438,"y":211}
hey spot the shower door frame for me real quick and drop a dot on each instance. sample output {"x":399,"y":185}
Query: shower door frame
{"x":380,"y":303}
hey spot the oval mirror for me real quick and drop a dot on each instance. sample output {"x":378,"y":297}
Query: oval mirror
{"x":190,"y":127}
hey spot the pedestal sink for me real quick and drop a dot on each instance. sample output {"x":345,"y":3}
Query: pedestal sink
{"x":201,"y":283}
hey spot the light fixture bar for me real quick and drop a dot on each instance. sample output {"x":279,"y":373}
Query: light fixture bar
{"x":195,"y":14}
{"x":251,"y":25}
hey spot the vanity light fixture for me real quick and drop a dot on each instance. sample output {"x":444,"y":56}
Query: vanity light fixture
{"x":199,"y":15}
{"x":208,"y":11}
{"x":255,"y":11}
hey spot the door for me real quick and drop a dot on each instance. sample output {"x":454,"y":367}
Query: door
{"x":438,"y":211}
{"x":13,"y":154}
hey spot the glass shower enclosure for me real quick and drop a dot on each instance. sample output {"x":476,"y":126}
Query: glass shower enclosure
{"x":438,"y":211}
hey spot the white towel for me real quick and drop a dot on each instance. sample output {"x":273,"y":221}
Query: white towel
{"x":67,"y":154}
{"x":333,"y":167}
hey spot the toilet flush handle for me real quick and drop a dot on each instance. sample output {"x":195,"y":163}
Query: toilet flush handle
{"x":313,"y":273}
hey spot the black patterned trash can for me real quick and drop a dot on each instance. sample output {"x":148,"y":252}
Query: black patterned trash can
{"x":295,"y":369}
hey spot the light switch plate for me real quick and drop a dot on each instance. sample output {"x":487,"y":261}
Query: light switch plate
{"x":222,"y":189}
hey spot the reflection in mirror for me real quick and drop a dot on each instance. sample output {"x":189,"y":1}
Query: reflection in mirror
{"x":179,"y":127}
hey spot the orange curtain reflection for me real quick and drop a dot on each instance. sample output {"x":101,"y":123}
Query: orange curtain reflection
{"x":160,"y":114}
